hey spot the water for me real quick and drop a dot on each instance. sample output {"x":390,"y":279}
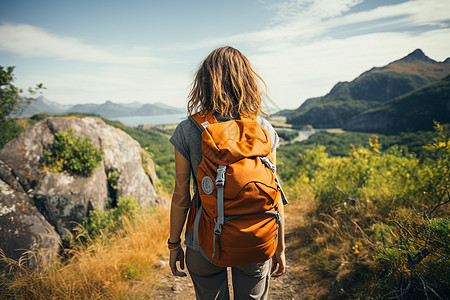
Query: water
{"x":304,"y":134}
{"x":151,"y":120}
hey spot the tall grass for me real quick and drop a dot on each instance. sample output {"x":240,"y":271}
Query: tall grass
{"x":119,"y":266}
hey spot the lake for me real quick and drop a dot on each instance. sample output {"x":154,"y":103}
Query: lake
{"x":151,"y":120}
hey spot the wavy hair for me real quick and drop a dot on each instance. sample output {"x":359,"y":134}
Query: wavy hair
{"x":227,"y":84}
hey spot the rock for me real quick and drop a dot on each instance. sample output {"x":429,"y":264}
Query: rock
{"x":121,"y":154}
{"x":32,"y":200}
{"x":65,"y":200}
{"x":24,"y":154}
{"x":24,"y":231}
{"x":8,"y":177}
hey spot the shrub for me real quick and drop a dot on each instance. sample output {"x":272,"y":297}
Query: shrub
{"x":106,"y":222}
{"x":382,"y":222}
{"x":73,"y":154}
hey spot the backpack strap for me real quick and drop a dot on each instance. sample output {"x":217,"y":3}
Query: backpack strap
{"x":220,"y":220}
{"x":203,"y":121}
{"x":273,"y":168}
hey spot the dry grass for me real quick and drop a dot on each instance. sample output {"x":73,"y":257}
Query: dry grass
{"x":124,"y":268}
{"x":325,"y":250}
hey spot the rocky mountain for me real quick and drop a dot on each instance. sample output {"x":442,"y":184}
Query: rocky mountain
{"x":414,"y":111}
{"x":42,"y":104}
{"x":369,"y":91}
{"x":108,"y":109}
{"x":37,"y":206}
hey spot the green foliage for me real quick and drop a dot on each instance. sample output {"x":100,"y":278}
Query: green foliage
{"x":339,"y":143}
{"x":11,"y":101}
{"x":9,"y":130}
{"x":73,"y":154}
{"x":376,"y":213}
{"x":100,"y":223}
{"x":9,"y":94}
{"x":288,"y":135}
{"x":112,"y":179}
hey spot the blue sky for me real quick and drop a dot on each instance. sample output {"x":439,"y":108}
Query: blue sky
{"x":148,"y":51}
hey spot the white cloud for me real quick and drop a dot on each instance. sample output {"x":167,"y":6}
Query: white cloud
{"x":299,"y":53}
{"x":300,"y":72}
{"x":31,"y":41}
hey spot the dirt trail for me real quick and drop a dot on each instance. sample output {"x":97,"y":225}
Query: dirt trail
{"x":286,"y":287}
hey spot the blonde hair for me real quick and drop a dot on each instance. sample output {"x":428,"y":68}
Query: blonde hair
{"x":227,"y":84}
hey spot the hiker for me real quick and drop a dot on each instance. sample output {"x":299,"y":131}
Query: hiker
{"x":225,"y":103}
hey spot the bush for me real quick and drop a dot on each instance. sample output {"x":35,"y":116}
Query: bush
{"x":288,"y":135}
{"x":382,"y":220}
{"x":73,"y":154}
{"x":9,"y":130}
{"x":106,"y":222}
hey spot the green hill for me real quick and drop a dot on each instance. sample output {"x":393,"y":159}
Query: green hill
{"x":370,"y":90}
{"x":415,"y":111}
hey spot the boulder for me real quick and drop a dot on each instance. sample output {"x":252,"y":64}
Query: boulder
{"x":24,"y":231}
{"x":32,"y":200}
{"x":65,"y":200}
{"x":121,"y":154}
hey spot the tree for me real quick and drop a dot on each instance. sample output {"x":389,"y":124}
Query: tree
{"x":10,"y":101}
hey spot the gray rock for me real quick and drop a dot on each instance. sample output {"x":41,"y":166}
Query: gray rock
{"x":65,"y":200}
{"x":24,"y":154}
{"x":24,"y":231}
{"x":121,"y":154}
{"x":31,"y":199}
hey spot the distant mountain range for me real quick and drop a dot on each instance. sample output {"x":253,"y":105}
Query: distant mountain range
{"x":108,"y":109}
{"x":407,"y":94}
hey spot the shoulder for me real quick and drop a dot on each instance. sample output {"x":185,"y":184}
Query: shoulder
{"x":273,"y":134}
{"x":266,"y":125}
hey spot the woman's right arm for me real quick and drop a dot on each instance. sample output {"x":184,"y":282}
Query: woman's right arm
{"x":180,"y":200}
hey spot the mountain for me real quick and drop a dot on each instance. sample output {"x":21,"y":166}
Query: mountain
{"x":41,"y":104}
{"x":414,"y":111}
{"x":134,"y":104}
{"x":368,"y":91}
{"x":157,"y":109}
{"x":108,"y":109}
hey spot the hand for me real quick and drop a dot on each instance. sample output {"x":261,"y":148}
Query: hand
{"x":177,"y":255}
{"x":278,"y":263}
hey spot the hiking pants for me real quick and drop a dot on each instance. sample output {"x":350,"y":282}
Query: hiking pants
{"x":211,"y":281}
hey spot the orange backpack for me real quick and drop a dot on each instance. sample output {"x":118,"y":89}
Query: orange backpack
{"x":235,"y":218}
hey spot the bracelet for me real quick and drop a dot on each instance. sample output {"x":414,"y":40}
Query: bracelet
{"x":173,"y":246}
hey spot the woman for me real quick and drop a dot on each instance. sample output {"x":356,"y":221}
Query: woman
{"x":227,"y":86}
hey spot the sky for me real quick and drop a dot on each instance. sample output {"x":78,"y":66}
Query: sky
{"x":148,"y":51}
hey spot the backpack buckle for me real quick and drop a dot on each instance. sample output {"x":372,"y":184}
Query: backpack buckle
{"x":217,"y":227}
{"x":268,"y":163}
{"x":220,"y":179}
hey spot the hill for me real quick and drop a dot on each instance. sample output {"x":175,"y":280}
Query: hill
{"x":368,"y":91}
{"x":414,"y":111}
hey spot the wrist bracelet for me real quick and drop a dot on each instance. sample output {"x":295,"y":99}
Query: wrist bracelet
{"x":173,"y":246}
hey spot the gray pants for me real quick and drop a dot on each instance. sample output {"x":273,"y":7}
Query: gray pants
{"x":211,"y":282}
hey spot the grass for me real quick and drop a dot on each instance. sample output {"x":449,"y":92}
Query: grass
{"x":121,"y":266}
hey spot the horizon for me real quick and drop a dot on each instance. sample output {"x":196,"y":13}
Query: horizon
{"x":148,"y":52}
